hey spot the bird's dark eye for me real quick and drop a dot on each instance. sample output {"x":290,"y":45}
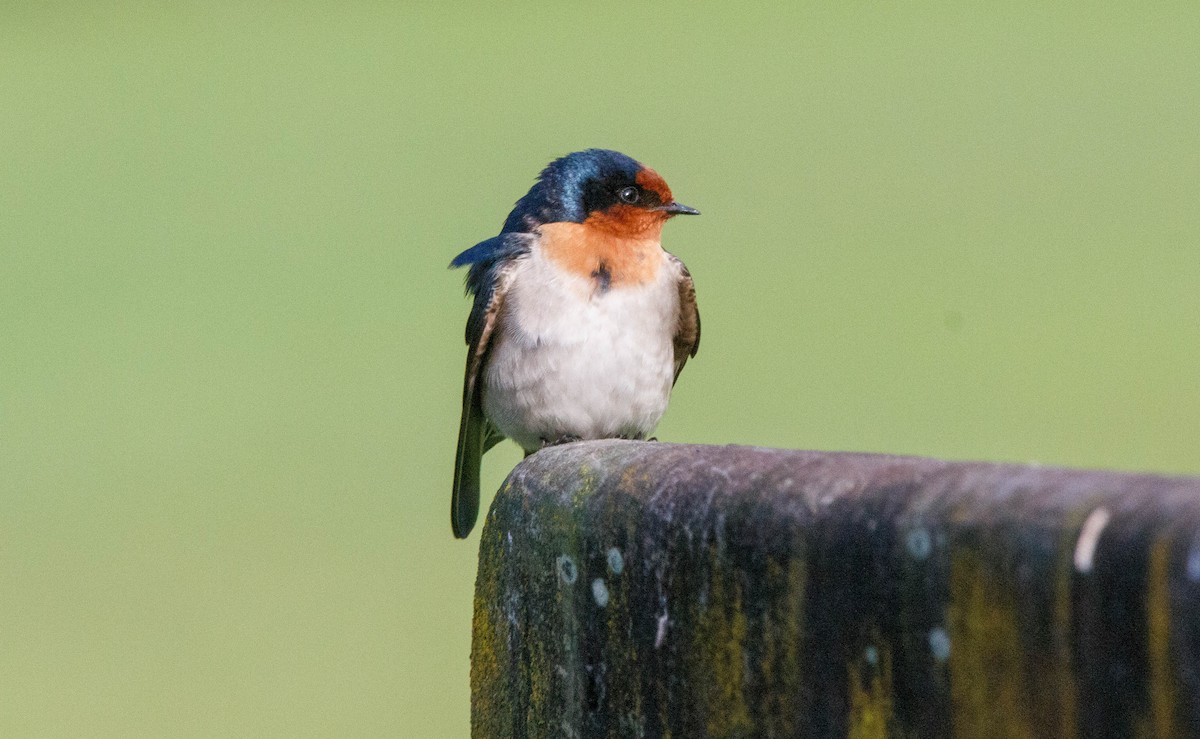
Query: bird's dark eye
{"x":628,"y":194}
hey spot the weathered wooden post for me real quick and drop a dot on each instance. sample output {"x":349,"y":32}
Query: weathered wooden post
{"x":634,"y":589}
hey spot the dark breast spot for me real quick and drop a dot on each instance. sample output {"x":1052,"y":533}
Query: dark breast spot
{"x":603,"y":277}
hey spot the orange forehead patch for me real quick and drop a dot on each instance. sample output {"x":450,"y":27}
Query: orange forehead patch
{"x":592,"y":253}
{"x":650,"y":180}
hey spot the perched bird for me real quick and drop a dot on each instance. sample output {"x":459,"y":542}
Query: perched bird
{"x":581,"y":322}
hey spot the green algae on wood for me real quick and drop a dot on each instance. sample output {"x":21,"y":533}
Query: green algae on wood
{"x":637,"y":589}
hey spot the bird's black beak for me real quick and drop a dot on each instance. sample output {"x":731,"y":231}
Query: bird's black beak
{"x":679,"y":209}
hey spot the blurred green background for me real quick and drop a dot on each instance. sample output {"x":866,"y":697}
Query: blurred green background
{"x":231,"y":353}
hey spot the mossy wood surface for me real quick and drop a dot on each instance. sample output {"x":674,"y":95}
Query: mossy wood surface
{"x":634,"y":589}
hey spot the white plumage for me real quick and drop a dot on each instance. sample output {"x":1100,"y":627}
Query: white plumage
{"x":570,"y":358}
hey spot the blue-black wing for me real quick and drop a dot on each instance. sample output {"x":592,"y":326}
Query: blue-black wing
{"x":492,"y":263}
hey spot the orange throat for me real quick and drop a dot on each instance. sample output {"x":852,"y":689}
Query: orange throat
{"x":606,"y":250}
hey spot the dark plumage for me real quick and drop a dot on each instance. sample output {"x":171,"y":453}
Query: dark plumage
{"x":571,"y":187}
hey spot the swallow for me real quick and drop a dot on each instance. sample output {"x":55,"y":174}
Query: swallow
{"x":581,"y":322}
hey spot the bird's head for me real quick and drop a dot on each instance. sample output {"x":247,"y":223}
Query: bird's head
{"x":601,"y":188}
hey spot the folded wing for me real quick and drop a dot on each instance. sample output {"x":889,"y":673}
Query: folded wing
{"x":491,"y":273}
{"x":687,"y":333}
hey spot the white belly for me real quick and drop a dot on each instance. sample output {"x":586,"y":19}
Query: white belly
{"x":570,"y":360}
